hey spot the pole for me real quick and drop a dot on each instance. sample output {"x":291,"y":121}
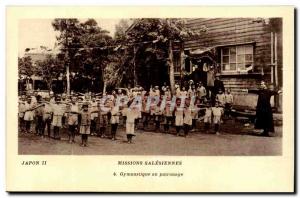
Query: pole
{"x":275,"y":62}
{"x":181,"y":61}
{"x":68,"y":62}
{"x":276,"y":97}
{"x":171,"y":66}
{"x":68,"y":78}
{"x":272,"y":48}
{"x":134,"y":66}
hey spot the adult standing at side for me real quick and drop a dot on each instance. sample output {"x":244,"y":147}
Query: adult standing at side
{"x":264,"y":114}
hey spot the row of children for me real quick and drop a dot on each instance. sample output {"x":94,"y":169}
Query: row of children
{"x":85,"y":116}
{"x":90,"y":117}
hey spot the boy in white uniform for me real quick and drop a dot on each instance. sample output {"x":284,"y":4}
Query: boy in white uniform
{"x":39,"y":112}
{"x":178,"y":117}
{"x":217,"y":113}
{"x":28,"y":114}
{"x":228,"y":103}
{"x":114,"y":120}
{"x":220,"y":98}
{"x":207,"y":116}
{"x":58,"y":111}
{"x":73,"y":119}
{"x":85,"y":123}
{"x":157,"y":116}
{"x":187,"y":120}
{"x":22,"y":109}
{"x":94,"y":115}
{"x":47,"y":117}
{"x":168,"y":116}
{"x":131,"y":115}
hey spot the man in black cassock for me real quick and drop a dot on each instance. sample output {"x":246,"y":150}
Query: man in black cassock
{"x":264,"y":114}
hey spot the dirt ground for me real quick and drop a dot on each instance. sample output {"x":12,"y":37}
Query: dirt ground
{"x":235,"y":140}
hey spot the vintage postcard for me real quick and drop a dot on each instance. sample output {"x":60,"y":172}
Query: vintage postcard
{"x":150,"y":99}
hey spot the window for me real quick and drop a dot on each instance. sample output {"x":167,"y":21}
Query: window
{"x":236,"y":58}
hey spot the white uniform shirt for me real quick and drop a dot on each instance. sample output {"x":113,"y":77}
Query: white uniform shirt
{"x":221,"y":98}
{"x":229,"y":98}
{"x":201,"y":91}
{"x":187,"y":116}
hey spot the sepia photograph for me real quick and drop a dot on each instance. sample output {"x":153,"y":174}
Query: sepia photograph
{"x":150,"y":99}
{"x":150,"y":86}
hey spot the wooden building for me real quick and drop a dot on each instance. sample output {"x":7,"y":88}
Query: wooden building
{"x":243,"y":50}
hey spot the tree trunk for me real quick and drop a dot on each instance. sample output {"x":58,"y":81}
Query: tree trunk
{"x":171,"y":65}
{"x":26,"y":84}
{"x":49,"y":83}
{"x":134,"y":67}
{"x":68,"y":79}
{"x":104,"y":87}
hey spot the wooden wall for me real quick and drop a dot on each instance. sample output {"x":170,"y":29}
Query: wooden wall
{"x":234,"y":31}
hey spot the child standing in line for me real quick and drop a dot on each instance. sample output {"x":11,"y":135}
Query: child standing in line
{"x":168,"y":93}
{"x":22,"y":108}
{"x":217,"y":113}
{"x":103,"y":118}
{"x":168,"y":116}
{"x":64,"y":101}
{"x":94,"y":115}
{"x":195,"y":112}
{"x":138,"y":109}
{"x":131,"y":115}
{"x":228,"y":103}
{"x":47,"y":117}
{"x":85,"y":123}
{"x":39,"y":112}
{"x":183,"y":92}
{"x":187,"y":120}
{"x":201,"y":92}
{"x":152,"y":109}
{"x":157,"y":116}
{"x":115,"y":113}
{"x":145,"y":112}
{"x":192,"y":91}
{"x":178,"y":117}
{"x":58,"y":112}
{"x":52,"y":97}
{"x":177,"y":91}
{"x":123,"y":112}
{"x":207,"y":116}
{"x":28,"y":114}
{"x":220,"y":98}
{"x":72,"y":119}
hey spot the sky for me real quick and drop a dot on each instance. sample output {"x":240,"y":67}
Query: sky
{"x":34,"y":33}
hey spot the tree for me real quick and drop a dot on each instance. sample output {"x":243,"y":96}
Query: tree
{"x":25,"y":67}
{"x":49,"y":69}
{"x":155,"y":38}
{"x":84,"y":46}
{"x":96,"y":52}
{"x":120,"y":30}
{"x":69,"y":39}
